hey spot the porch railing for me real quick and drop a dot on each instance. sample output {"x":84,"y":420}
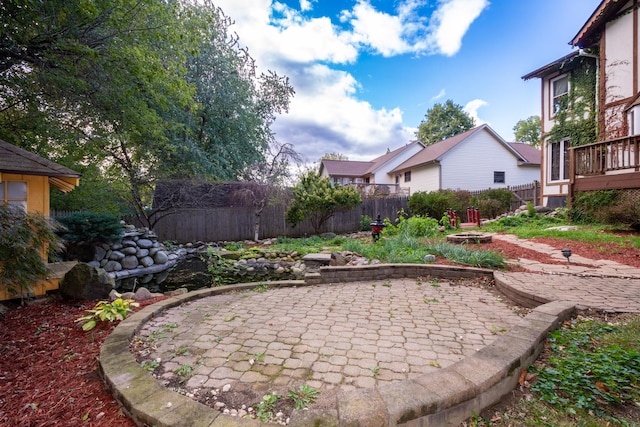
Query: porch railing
{"x":380,"y":190}
{"x":601,"y":157}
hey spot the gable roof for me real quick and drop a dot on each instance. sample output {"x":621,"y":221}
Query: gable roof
{"x":379,"y":161}
{"x":530,"y":154}
{"x":434,"y":152}
{"x":17,"y":160}
{"x":345,"y":167}
{"x":589,"y":34}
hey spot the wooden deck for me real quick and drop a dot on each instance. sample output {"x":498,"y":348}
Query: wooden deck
{"x":606,"y":165}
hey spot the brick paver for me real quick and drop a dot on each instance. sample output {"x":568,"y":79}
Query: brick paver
{"x":351,"y":335}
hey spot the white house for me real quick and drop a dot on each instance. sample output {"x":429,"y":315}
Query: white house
{"x":474,"y":160}
{"x":371,"y":176}
{"x":608,"y":56}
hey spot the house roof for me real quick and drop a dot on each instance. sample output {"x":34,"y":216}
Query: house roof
{"x":345,"y":167}
{"x":530,"y":154}
{"x":567,"y":62}
{"x":17,"y":160}
{"x":435,"y":152}
{"x":589,"y":34}
{"x":379,"y":161}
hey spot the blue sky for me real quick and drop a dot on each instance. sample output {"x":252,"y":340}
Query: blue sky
{"x":365,"y":72}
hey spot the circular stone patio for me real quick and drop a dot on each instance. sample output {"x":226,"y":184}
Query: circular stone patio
{"x":333,"y":337}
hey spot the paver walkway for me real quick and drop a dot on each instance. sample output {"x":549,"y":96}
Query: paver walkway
{"x":598,"y":284}
{"x":346,"y":336}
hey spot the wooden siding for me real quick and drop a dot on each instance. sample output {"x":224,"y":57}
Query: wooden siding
{"x":470,"y":165}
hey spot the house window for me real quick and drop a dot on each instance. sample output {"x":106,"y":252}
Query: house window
{"x":397,"y":179}
{"x":559,"y":160}
{"x":14,"y":193}
{"x":498,"y":177}
{"x":366,"y":180}
{"x":559,"y":93}
{"x":407,"y":176}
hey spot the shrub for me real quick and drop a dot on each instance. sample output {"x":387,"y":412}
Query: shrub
{"x":435,"y":203}
{"x":85,"y":229}
{"x":588,"y":207}
{"x":23,"y":239}
{"x":625,"y":212}
{"x":365,"y":223}
{"x":493,"y":202}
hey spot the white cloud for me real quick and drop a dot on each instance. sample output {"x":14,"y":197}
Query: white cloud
{"x":452,"y":20}
{"x":326,"y":114}
{"x":439,"y":95}
{"x":472,"y":107}
{"x":306,"y":5}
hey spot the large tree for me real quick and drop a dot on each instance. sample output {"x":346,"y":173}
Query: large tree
{"x":143,"y":90}
{"x":443,"y":121}
{"x":528,"y":130}
{"x":317,"y":199}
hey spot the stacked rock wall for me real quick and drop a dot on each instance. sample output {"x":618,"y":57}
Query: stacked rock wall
{"x":138,"y":254}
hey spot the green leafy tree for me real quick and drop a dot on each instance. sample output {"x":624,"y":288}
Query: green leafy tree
{"x":528,"y":130}
{"x":443,"y":121}
{"x":334,"y":156}
{"x":24,"y":238}
{"x":143,"y":90}
{"x":316,"y":199}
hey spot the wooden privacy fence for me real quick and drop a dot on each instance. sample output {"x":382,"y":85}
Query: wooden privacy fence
{"x":237,"y":223}
{"x":521,"y":194}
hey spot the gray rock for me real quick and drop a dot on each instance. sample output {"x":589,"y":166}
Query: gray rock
{"x":141,"y":253}
{"x":86,"y":283}
{"x":154,"y":250}
{"x":176,"y":292}
{"x":146,"y":278}
{"x":161,"y":257}
{"x":338,"y":259}
{"x":129,"y":244}
{"x":429,"y":258}
{"x":143,"y":294}
{"x":130,"y":262}
{"x":100,"y":253}
{"x":144,"y":243}
{"x":95,"y":264}
{"x":117,"y":256}
{"x":147,"y":261}
{"x":129,"y":250}
{"x":112,"y":266}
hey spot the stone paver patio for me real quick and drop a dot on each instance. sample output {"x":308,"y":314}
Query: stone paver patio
{"x":351,"y":335}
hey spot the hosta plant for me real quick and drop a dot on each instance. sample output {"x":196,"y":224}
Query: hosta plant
{"x":104,"y":311}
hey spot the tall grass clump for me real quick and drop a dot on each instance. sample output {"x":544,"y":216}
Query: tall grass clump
{"x":461,"y":254}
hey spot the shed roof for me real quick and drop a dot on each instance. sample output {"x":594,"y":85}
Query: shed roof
{"x":17,"y":160}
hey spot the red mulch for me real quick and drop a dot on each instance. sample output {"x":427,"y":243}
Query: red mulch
{"x":49,"y":367}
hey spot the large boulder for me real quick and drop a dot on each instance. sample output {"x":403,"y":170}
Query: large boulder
{"x":86,"y":283}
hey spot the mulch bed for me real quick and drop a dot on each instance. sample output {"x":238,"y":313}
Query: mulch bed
{"x":49,"y":366}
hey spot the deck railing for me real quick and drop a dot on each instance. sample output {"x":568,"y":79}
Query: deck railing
{"x":601,"y":157}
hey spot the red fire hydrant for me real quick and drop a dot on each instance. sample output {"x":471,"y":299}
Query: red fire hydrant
{"x":376,"y":228}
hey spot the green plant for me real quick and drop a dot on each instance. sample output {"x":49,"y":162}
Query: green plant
{"x":149,"y":365}
{"x":587,"y":374}
{"x":83,"y":230}
{"x":435,"y":204}
{"x":430,"y":300}
{"x":463,"y":255}
{"x":304,"y":396}
{"x":266,"y":407}
{"x":220,"y":268}
{"x":375,"y":371}
{"x":262,"y":287}
{"x":117,"y":309}
{"x":184,"y":371}
{"x":531,"y":209}
{"x":316,"y":199}
{"x":365,"y":223}
{"x":493,"y":202}
{"x":24,"y":239}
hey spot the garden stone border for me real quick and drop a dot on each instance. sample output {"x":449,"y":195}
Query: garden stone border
{"x":446,"y":397}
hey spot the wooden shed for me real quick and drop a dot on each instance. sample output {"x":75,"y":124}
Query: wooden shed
{"x":26,"y":180}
